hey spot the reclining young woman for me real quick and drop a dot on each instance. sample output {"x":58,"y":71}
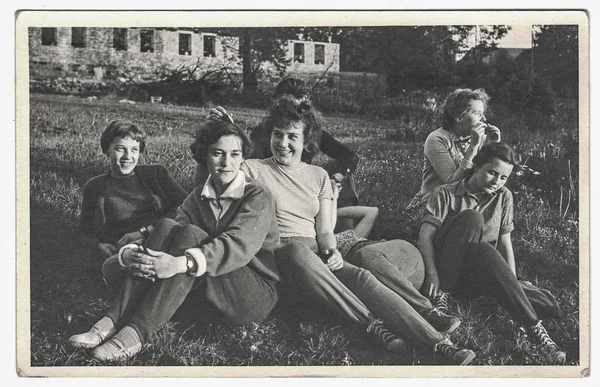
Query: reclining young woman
{"x":395,"y":263}
{"x":222,"y":241}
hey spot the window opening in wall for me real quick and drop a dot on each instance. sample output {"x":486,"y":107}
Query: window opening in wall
{"x":48,"y":36}
{"x":299,"y":52}
{"x":147,"y":40}
{"x":319,"y":53}
{"x":209,"y":45}
{"x":120,"y":39}
{"x":185,"y":44}
{"x":78,"y":36}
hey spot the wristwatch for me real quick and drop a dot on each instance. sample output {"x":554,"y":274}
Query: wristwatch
{"x":191,"y":265}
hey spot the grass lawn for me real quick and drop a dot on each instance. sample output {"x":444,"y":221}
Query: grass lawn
{"x":68,"y":294}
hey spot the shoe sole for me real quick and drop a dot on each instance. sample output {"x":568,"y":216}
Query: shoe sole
{"x":79,"y":344}
{"x":455,"y":324}
{"x":467,"y":360}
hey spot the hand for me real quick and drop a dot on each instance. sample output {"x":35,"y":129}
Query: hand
{"x":492,"y":134}
{"x":430,"y":286}
{"x":138,"y":264}
{"x":107,"y":249}
{"x":335,"y":188}
{"x":219,"y":114}
{"x":478,"y":134}
{"x":165,"y":265}
{"x":130,"y":237}
{"x":333,"y":259}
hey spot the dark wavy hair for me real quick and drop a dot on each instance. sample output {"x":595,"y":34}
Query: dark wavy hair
{"x":211,"y":132}
{"x":287,"y":110}
{"x":123,"y":129}
{"x":493,"y":150}
{"x":457,"y":103}
{"x":292,"y":86}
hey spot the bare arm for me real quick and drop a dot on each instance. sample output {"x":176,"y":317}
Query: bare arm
{"x":425,"y":246}
{"x":325,"y":237}
{"x":505,"y":248}
{"x":366,"y":217}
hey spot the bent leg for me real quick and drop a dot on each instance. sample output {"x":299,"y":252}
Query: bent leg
{"x":113,"y":273}
{"x":398,"y":265}
{"x":242,"y":296}
{"x":398,"y":314}
{"x":452,"y":244}
{"x":299,"y":265}
{"x":493,"y":276}
{"x":147,"y":305}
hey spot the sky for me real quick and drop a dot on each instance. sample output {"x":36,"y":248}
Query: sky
{"x":518,"y":37}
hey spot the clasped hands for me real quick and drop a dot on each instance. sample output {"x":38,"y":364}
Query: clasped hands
{"x":150,"y":264}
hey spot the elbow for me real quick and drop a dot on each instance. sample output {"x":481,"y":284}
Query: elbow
{"x":373,"y":213}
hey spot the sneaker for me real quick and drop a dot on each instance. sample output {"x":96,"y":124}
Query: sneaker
{"x":392,"y":342}
{"x":441,"y":321}
{"x":539,"y":334}
{"x":441,"y":301}
{"x":447,"y":353}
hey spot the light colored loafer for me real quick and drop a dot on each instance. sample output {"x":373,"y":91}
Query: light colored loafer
{"x":114,"y":349}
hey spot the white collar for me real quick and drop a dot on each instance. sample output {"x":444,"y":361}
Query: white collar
{"x":235,"y":190}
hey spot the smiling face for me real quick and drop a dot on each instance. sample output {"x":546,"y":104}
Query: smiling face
{"x":490,"y":177}
{"x":471,"y":117}
{"x":124,"y":154}
{"x":223,"y":161}
{"x":287,"y":144}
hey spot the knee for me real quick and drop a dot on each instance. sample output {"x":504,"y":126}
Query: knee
{"x":471,"y":219}
{"x":112,"y":272}
{"x":165,"y":224}
{"x":192,"y":231}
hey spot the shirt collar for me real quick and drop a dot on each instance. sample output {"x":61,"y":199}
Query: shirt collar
{"x":235,"y":190}
{"x":461,"y":189}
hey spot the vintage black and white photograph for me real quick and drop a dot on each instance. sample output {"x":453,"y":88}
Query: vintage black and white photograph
{"x":303,"y":189}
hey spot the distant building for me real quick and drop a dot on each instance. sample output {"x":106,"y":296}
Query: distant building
{"x":108,"y":52}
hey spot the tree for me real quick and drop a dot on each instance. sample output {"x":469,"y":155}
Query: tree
{"x":260,"y":45}
{"x":556,"y":56}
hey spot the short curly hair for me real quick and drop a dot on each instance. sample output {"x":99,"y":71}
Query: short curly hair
{"x":457,"y":103}
{"x":122,"y":129}
{"x":292,"y":86}
{"x":211,"y":132}
{"x":287,"y":110}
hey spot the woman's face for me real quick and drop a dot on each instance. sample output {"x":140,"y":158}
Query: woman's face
{"x":223,"y":161}
{"x":490,"y":177}
{"x":124,"y":154}
{"x":471,"y":117}
{"x":287,"y":144}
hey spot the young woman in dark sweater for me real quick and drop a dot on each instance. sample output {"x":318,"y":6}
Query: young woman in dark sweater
{"x":221,"y":242}
{"x":123,"y":205}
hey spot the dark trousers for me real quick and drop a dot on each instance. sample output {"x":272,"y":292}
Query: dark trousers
{"x":242,"y":296}
{"x":465,"y":263}
{"x":352,"y":292}
{"x":398,"y":265}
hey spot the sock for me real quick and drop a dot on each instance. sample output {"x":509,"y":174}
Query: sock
{"x":128,"y":336}
{"x":104,"y":325}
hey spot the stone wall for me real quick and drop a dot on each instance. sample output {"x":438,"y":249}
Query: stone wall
{"x":99,"y":58}
{"x":332,"y":57}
